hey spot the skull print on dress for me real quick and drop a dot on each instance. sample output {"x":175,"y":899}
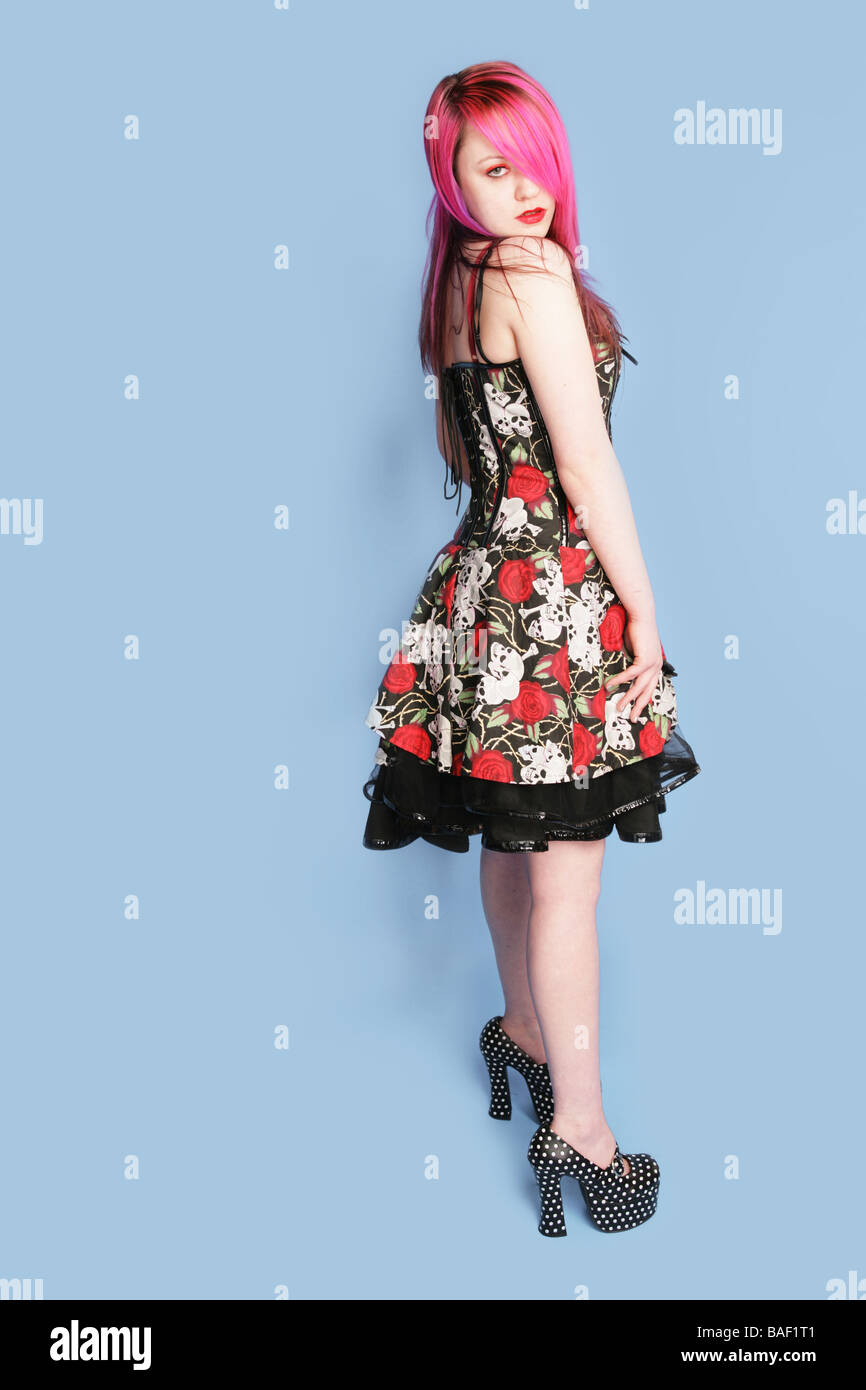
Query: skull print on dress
{"x":493,"y":717}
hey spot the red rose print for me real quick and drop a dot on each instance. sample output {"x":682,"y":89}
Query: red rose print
{"x":492,"y":765}
{"x":611,"y":628}
{"x":529,"y":484}
{"x":584,"y":746}
{"x":573,"y":564}
{"x":400,"y":675}
{"x":516,"y":579}
{"x":456,"y":764}
{"x":559,"y":667}
{"x":532,"y":703}
{"x":650,"y":740}
{"x":481,"y":633}
{"x":448,"y":593}
{"x":598,"y":703}
{"x":414,"y":739}
{"x":573,"y":527}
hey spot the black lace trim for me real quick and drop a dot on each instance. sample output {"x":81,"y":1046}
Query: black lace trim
{"x":411,"y":799}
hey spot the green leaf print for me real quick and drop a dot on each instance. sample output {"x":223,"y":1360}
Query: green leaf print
{"x":545,"y":509}
{"x":472,"y":745}
{"x":561,"y":707}
{"x":496,"y":720}
{"x":582,"y":704}
{"x":661,"y":722}
{"x":518,"y":454}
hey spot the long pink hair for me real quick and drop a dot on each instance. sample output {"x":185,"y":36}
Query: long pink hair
{"x":517,"y":116}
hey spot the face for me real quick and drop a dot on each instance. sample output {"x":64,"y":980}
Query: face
{"x":500,"y":197}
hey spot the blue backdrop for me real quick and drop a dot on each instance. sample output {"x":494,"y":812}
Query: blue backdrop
{"x":240,"y":1049}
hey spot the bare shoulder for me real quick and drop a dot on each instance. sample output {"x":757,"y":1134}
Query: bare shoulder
{"x":534,"y":255}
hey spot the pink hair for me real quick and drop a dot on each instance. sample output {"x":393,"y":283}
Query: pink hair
{"x":517,"y":116}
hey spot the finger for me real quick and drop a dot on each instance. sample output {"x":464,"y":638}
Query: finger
{"x":644,"y":699}
{"x":635,"y":695}
{"x":628,"y":674}
{"x":626,"y":699}
{"x":631,"y":676}
{"x":639,"y":705}
{"x":641,"y":690}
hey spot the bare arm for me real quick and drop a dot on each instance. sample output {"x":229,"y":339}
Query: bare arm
{"x":554,"y":346}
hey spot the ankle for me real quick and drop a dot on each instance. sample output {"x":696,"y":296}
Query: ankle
{"x":590,"y":1136}
{"x":524,"y":1031}
{"x":528,"y":1023}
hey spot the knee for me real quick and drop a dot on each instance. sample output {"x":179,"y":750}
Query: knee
{"x":552,"y":896}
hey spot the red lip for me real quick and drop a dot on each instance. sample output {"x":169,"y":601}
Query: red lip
{"x":534,"y":215}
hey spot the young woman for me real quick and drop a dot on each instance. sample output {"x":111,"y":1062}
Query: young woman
{"x":531,"y":701}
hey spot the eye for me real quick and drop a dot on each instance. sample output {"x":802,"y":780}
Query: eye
{"x":497,"y":166}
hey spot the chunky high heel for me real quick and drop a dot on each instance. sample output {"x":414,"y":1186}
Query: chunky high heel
{"x":615,"y":1199}
{"x":500,"y":1052}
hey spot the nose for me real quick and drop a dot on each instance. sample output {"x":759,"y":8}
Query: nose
{"x":527,"y":189}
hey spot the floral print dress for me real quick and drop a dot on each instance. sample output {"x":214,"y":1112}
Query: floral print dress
{"x":492,"y":718}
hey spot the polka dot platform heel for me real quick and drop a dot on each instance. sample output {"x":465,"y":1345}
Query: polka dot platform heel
{"x":615,"y":1199}
{"x":500,"y":1053}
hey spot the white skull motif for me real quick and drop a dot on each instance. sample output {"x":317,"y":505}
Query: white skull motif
{"x":441,"y":729}
{"x":501,"y":681}
{"x":512,"y":520}
{"x":509,"y":417}
{"x":553,"y":612}
{"x":664,"y":699}
{"x":488,"y":448}
{"x":474,"y":571}
{"x":543,"y":764}
{"x":617,"y":725}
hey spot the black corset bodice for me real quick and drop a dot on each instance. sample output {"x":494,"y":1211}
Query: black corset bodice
{"x":491,"y":407}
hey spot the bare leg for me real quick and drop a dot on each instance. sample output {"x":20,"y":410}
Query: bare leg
{"x":565,"y":882}
{"x":506,"y":900}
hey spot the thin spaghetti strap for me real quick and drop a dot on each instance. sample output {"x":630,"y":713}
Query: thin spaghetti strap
{"x":473,"y":305}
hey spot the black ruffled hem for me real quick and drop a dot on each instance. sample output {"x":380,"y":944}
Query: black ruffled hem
{"x":410,"y":799}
